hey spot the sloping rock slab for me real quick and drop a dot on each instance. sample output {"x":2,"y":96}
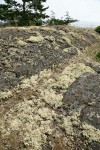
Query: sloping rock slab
{"x":83,"y":96}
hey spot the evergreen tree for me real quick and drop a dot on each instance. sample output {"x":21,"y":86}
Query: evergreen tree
{"x":39,"y":10}
{"x":28,"y":13}
{"x":63,"y":21}
{"x":9,"y":11}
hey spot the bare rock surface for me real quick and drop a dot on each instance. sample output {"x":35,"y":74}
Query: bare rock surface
{"x":49,"y":88}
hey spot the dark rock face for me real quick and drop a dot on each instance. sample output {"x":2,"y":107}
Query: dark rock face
{"x":8,"y":80}
{"x":84,"y":95}
{"x":94,"y":146}
{"x":97,"y":68}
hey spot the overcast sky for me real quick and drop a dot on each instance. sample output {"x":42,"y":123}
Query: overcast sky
{"x":83,"y":10}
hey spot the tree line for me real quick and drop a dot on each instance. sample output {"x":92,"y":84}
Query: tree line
{"x":29,"y":12}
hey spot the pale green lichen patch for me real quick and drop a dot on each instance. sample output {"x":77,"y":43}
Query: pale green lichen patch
{"x":13,"y":51}
{"x":46,"y":113}
{"x":50,"y":38}
{"x":70,"y":74}
{"x":33,"y":81}
{"x":68,"y":126}
{"x":36,"y":39}
{"x":66,"y":50}
{"x":48,"y":29}
{"x":69,"y":121}
{"x":62,"y":32}
{"x":44,"y":83}
{"x":29,"y":82}
{"x":21,"y":42}
{"x":70,"y":50}
{"x":35,"y":122}
{"x":50,"y":96}
{"x":91,"y":132}
{"x":67,"y":40}
{"x":28,"y":118}
{"x":4,"y":95}
{"x":45,"y":74}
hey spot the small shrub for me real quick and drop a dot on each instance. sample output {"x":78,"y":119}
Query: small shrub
{"x":98,"y":29}
{"x":98,"y":56}
{"x":63,"y":21}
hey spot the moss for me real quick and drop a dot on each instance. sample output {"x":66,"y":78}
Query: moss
{"x":98,"y":56}
{"x":97,"y":29}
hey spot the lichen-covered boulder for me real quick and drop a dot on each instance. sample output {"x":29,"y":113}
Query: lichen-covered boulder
{"x":34,"y":39}
{"x":49,"y":88}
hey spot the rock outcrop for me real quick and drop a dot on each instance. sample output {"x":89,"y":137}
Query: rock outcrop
{"x":49,"y":88}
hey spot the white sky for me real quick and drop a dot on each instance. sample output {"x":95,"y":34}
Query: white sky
{"x":83,"y":10}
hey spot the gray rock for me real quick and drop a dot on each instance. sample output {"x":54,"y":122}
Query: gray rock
{"x":84,"y":95}
{"x":97,"y":68}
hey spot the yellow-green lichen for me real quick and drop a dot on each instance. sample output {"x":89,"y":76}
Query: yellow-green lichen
{"x":70,"y":73}
{"x":21,"y":42}
{"x":23,"y":118}
{"x":34,"y":39}
{"x":50,"y":96}
{"x":4,"y":95}
{"x":68,"y":122}
{"x":91,"y":132}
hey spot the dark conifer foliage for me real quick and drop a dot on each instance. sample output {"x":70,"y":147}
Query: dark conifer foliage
{"x":63,"y":21}
{"x":39,"y":11}
{"x":29,"y":12}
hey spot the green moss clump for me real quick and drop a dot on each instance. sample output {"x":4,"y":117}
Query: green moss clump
{"x":98,"y":56}
{"x":98,"y":29}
